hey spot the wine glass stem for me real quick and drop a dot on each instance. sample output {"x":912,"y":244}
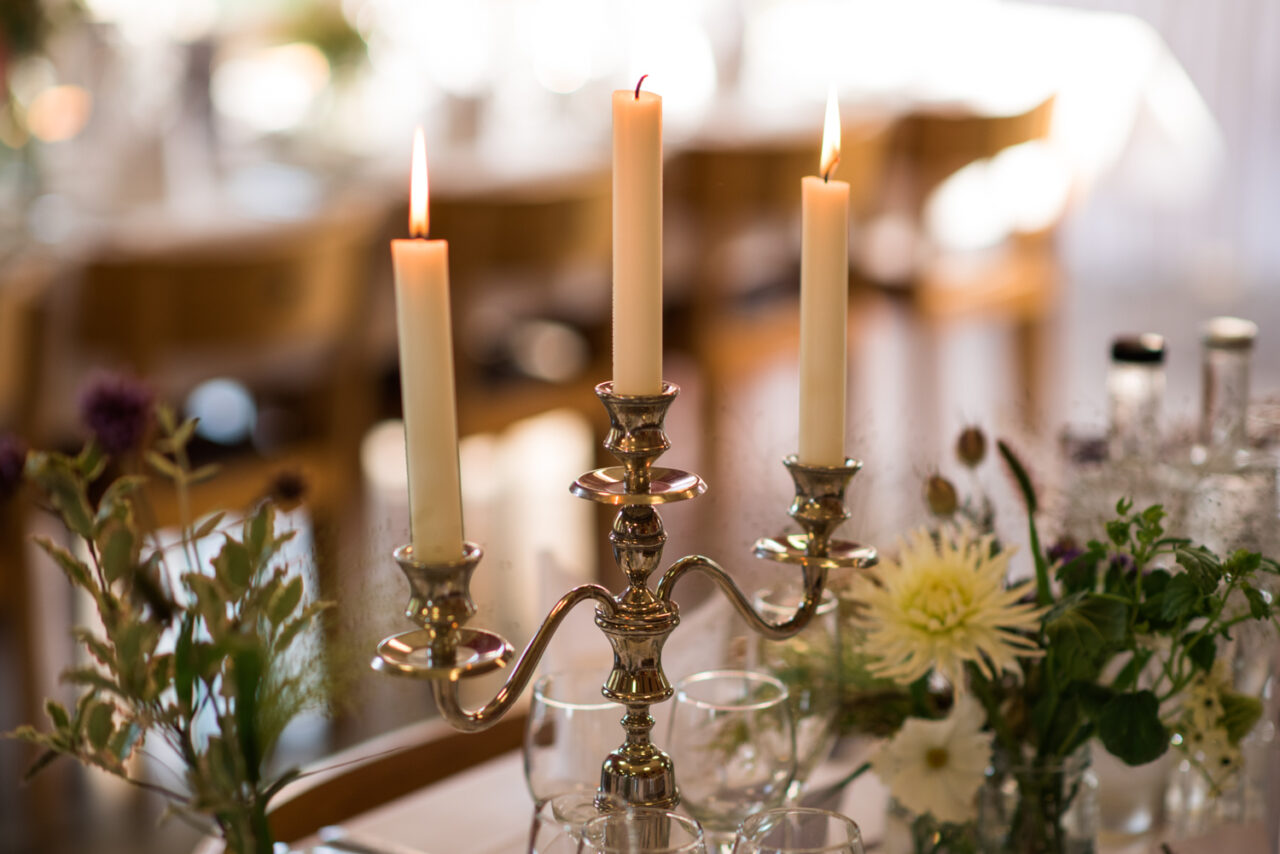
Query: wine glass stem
{"x":719,"y":841}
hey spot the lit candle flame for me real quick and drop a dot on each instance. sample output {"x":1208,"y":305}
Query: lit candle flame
{"x":830,"y":136}
{"x":419,"y":220}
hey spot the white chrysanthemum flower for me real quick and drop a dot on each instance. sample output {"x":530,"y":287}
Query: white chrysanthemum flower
{"x":942,"y":603}
{"x":937,"y":767}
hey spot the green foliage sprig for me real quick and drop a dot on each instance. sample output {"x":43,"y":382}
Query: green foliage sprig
{"x":1124,"y":635}
{"x":198,"y":650}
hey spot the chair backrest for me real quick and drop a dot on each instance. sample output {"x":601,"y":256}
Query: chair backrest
{"x":227,"y":301}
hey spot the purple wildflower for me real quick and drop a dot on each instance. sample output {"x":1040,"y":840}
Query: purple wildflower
{"x":117,"y":409}
{"x":1064,"y":551}
{"x":13,"y":456}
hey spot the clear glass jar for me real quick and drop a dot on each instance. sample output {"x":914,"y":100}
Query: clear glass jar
{"x":1039,"y":806}
{"x":1233,"y":502}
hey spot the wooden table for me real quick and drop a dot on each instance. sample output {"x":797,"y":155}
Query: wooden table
{"x":487,"y":810}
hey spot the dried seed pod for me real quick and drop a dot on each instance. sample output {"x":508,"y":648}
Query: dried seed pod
{"x":941,"y":496}
{"x":971,"y":447}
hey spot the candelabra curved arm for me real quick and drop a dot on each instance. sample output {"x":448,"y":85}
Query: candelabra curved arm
{"x":446,"y":690}
{"x":814,"y":582}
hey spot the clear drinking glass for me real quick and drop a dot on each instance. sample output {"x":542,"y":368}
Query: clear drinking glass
{"x":734,"y":747}
{"x":558,"y":822}
{"x":798,"y":830}
{"x":642,"y":830}
{"x":570,"y":731}
{"x":809,"y":665}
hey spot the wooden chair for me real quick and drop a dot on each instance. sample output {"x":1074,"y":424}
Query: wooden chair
{"x":282,"y":309}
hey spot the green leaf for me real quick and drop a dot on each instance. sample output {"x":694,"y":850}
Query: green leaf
{"x":1123,"y":506}
{"x":89,"y":677}
{"x":1240,"y":713}
{"x":1130,"y":728}
{"x":204,"y":473}
{"x":115,"y":500}
{"x":285,"y":601}
{"x":181,"y":436}
{"x":57,"y":714}
{"x":1203,"y":652}
{"x":164,"y":465}
{"x":100,"y":726}
{"x":1020,"y":475}
{"x":1080,"y":573}
{"x":210,"y":599}
{"x":1181,"y":598}
{"x":1242,"y":564}
{"x":164,"y":414}
{"x":247,"y":672}
{"x":257,"y":528}
{"x":91,"y":461}
{"x":233,"y":568}
{"x":1083,"y":628}
{"x":1118,"y":532}
{"x":43,"y":761}
{"x":124,"y":740}
{"x":55,"y":474}
{"x":184,"y":662}
{"x":1062,"y":725}
{"x":1151,"y":609}
{"x":1202,"y":567}
{"x":76,"y":570}
{"x":283,"y":780}
{"x":1153,"y":515}
{"x":96,"y":646}
{"x":296,"y":625}
{"x":118,"y":553}
{"x":209,"y":525}
{"x":1259,"y":607}
{"x":1128,"y":674}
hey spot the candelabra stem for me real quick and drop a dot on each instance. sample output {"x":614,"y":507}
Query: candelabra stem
{"x":446,"y":690}
{"x":815,"y":579}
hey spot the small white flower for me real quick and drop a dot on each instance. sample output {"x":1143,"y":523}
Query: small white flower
{"x":937,"y":767}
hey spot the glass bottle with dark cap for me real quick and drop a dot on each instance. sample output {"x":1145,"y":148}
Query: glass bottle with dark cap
{"x":1133,"y":467}
{"x":1135,"y":397}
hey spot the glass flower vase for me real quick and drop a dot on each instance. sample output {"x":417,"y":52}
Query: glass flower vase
{"x":1039,"y":806}
{"x":907,"y":832}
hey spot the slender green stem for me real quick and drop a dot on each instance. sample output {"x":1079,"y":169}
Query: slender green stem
{"x":850,"y":777}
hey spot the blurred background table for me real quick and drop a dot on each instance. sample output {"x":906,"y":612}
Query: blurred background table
{"x":202,"y":193}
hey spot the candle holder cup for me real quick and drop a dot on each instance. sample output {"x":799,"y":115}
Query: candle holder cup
{"x":640,"y":619}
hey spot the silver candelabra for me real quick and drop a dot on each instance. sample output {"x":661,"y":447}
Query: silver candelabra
{"x":640,"y":619}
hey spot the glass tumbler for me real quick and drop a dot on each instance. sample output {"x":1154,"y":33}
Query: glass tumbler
{"x":798,"y":830}
{"x":570,"y":730}
{"x":733,"y":744}
{"x":558,"y":822}
{"x":642,"y":830}
{"x":809,"y":665}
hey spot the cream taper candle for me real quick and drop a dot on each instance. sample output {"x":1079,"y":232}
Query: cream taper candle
{"x":637,"y":242}
{"x":824,"y":304}
{"x":421,"y":269}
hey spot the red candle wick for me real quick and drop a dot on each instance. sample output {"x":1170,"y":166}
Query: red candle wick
{"x":638,"y":85}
